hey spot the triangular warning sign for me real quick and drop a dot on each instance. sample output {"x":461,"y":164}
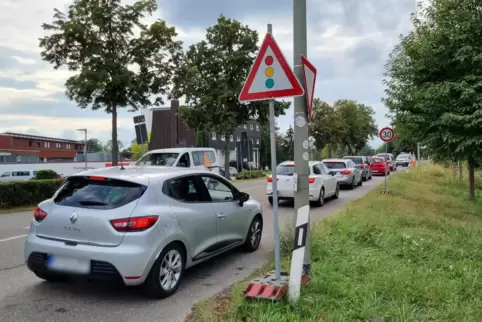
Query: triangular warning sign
{"x":270,"y":76}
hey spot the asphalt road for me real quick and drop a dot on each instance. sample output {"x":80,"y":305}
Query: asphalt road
{"x":24,"y":297}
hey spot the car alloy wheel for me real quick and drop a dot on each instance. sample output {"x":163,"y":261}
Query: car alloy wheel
{"x":171,"y":269}
{"x":321,"y":198}
{"x":255,"y":233}
{"x":337,"y":191}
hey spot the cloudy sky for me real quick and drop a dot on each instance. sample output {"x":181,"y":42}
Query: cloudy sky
{"x":348,"y":42}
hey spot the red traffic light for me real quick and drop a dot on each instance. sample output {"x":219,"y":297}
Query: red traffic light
{"x":411,"y":148}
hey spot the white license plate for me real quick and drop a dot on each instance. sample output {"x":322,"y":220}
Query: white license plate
{"x":374,"y":170}
{"x":68,"y":264}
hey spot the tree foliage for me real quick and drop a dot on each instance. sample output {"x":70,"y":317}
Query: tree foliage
{"x":347,"y":125}
{"x":212,"y":76}
{"x":434,"y":80}
{"x":118,"y":60}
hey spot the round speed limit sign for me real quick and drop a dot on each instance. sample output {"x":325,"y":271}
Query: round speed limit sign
{"x":387,"y":134}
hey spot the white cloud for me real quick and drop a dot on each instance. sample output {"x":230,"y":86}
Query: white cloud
{"x":24,"y":61}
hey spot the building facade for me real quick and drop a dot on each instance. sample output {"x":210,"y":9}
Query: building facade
{"x":25,"y":148}
{"x":168,"y":130}
{"x":244,"y":143}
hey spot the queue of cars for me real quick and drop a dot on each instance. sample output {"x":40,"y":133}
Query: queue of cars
{"x":327,"y":176}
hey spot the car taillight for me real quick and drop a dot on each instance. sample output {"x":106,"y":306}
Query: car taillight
{"x":345,"y":172}
{"x":311,"y":180}
{"x":270,"y":179}
{"x":39,"y":214}
{"x":134,"y":223}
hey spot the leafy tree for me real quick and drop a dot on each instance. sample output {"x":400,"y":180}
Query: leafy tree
{"x":367,"y":150}
{"x":94,"y":145}
{"x":211,"y":78}
{"x":326,"y":126}
{"x":119,"y":61}
{"x":357,"y":122}
{"x":433,"y":81}
{"x":109,"y":147}
{"x":287,"y":145}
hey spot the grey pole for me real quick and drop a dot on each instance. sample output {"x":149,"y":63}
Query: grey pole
{"x":386,"y":152}
{"x":301,"y":121}
{"x":272,"y":136}
{"x":85,"y":150}
{"x":418,"y":152}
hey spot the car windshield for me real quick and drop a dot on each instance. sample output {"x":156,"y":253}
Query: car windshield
{"x":335,"y":164}
{"x":357,"y":160}
{"x":377,"y":160}
{"x":402,"y":157}
{"x":166,"y":159}
{"x":285,"y":170}
{"x":385,"y":156}
{"x":98,"y":193}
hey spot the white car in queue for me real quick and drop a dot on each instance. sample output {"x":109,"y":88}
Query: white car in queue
{"x":139,"y":225}
{"x":322,"y":184}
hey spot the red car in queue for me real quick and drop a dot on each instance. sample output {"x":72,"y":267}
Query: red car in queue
{"x":379,"y":166}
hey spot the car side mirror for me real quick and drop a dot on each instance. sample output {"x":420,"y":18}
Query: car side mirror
{"x":242,"y":198}
{"x":182,"y":164}
{"x":332,"y":173}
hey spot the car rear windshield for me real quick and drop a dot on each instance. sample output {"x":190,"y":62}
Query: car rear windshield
{"x":377,"y":160}
{"x":385,"y":156}
{"x":403,"y":157}
{"x":98,"y":193}
{"x":355,"y":159}
{"x":166,"y":159}
{"x":335,"y":165}
{"x":285,"y":170}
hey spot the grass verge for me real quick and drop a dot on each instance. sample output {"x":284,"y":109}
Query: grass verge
{"x":415,"y":255}
{"x":7,"y":211}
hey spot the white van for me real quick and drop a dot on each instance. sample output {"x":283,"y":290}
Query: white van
{"x":18,"y":175}
{"x":200,"y":158}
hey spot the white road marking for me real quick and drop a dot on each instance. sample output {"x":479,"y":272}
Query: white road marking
{"x":12,"y":238}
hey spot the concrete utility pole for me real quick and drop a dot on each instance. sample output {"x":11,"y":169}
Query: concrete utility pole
{"x":85,"y":146}
{"x":301,"y":147}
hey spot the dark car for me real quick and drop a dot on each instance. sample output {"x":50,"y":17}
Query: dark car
{"x":362,"y":163}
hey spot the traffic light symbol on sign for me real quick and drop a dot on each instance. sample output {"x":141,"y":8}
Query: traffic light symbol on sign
{"x":269,"y":71}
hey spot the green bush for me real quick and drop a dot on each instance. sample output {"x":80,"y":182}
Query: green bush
{"x":46,"y":174}
{"x":24,"y":193}
{"x":250,"y":174}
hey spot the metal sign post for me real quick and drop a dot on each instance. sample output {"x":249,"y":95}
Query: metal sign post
{"x":387,"y":134}
{"x":270,"y":77}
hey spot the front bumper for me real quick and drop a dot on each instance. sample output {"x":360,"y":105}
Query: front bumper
{"x":128,"y":264}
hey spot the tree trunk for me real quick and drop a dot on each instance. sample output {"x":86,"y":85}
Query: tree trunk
{"x":226,"y":158}
{"x":471,"y":179}
{"x":115,"y":146}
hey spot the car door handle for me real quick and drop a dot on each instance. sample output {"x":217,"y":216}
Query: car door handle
{"x":221,"y":216}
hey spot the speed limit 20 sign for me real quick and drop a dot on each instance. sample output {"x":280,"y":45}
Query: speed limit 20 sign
{"x":387,"y":134}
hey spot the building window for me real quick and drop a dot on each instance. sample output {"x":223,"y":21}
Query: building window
{"x":38,"y":144}
{"x":231,"y":138}
{"x":223,"y":137}
{"x":238,"y":138}
{"x":251,"y":127}
{"x":257,"y":127}
{"x":257,"y":141}
{"x":29,"y":143}
{"x":213,"y":136}
{"x":245,"y":126}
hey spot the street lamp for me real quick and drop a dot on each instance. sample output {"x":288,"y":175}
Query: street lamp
{"x":85,"y":146}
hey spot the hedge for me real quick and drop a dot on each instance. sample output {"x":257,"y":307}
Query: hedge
{"x":250,"y":174}
{"x":24,"y":193}
{"x":46,"y":174}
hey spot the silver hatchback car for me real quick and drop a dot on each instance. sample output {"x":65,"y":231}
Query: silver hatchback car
{"x":140,"y":226}
{"x":346,"y":172}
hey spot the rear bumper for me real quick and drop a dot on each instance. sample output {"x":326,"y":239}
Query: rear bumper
{"x":128,"y":264}
{"x":290,"y":194}
{"x":344,"y":180}
{"x":378,"y":171}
